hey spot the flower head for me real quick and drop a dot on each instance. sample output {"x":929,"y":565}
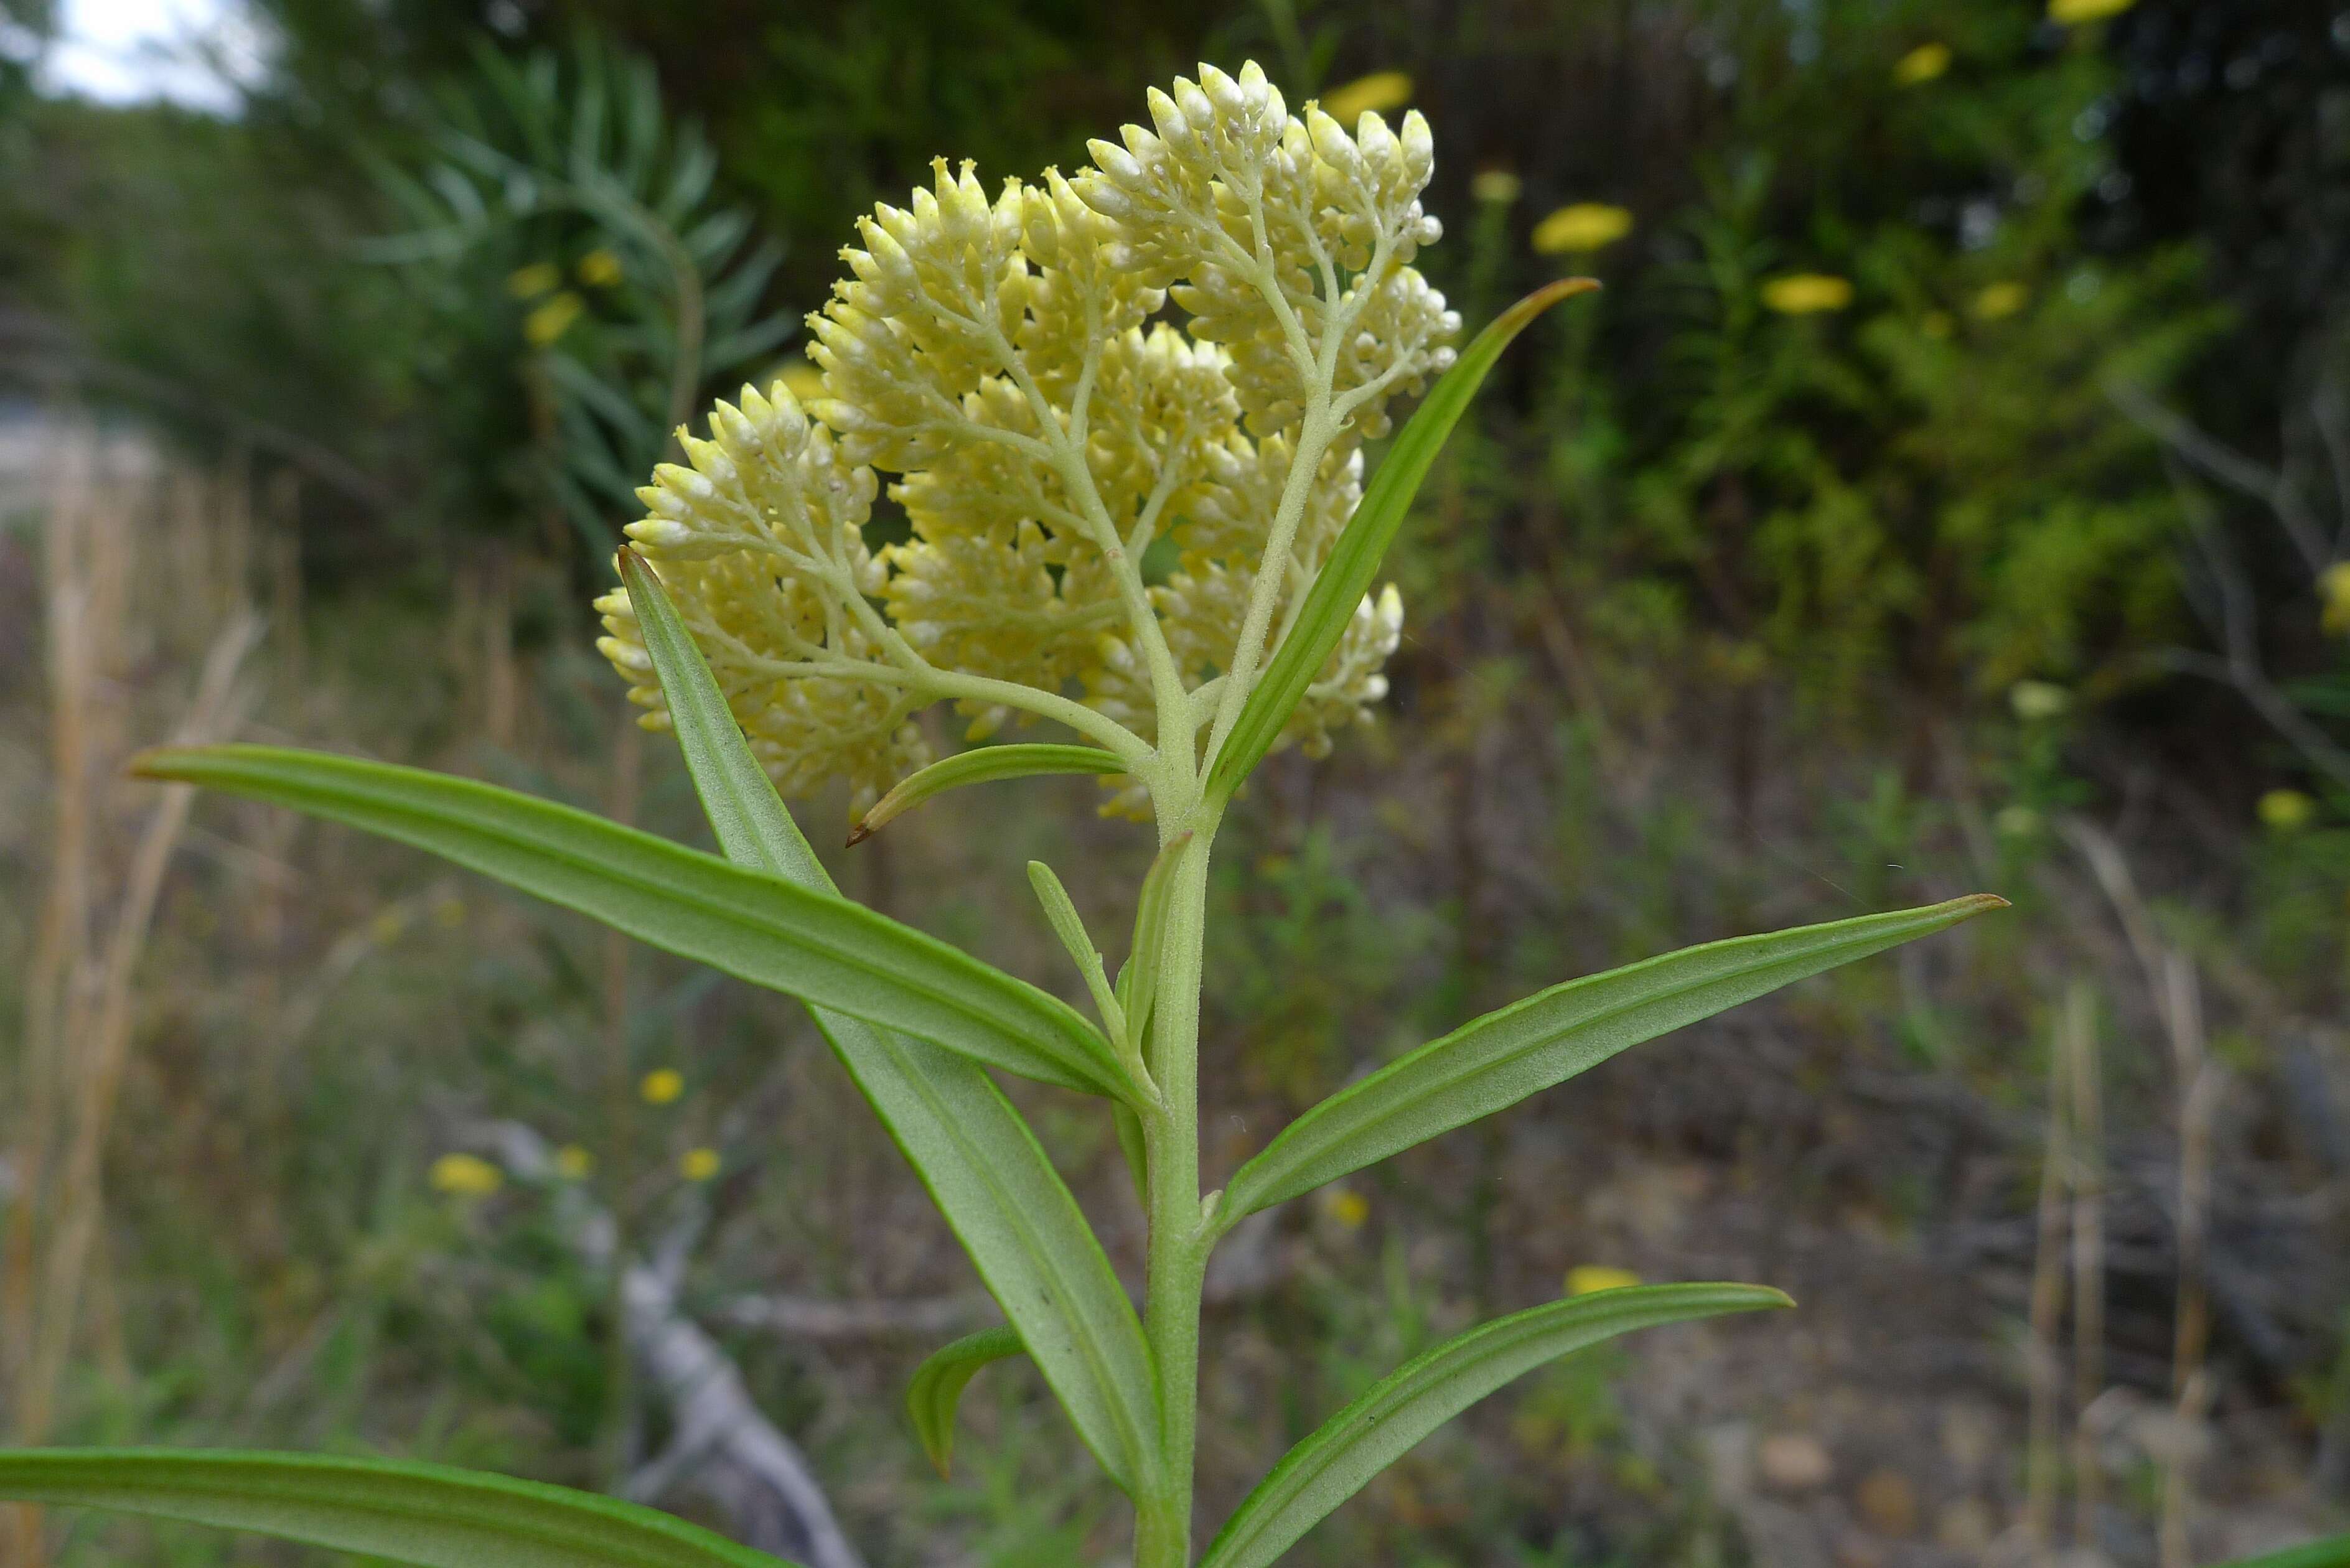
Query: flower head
{"x":1187,"y":341}
{"x":1921,"y":65}
{"x":2287,"y":810}
{"x":467,"y":1176}
{"x":1382,"y":92}
{"x":1584,"y":226}
{"x":1807,"y":294}
{"x":2074,"y":13}
{"x":1998,"y":301}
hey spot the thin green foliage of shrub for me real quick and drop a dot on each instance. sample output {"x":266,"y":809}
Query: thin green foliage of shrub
{"x":1008,"y":359}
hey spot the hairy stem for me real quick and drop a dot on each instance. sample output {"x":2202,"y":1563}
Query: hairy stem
{"x":1180,"y":1228}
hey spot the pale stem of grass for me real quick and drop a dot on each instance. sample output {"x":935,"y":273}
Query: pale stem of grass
{"x":2199,"y":1082}
{"x":2048,"y":1311}
{"x":2088,"y":1182}
{"x":83,"y":1014}
{"x":620,"y":805}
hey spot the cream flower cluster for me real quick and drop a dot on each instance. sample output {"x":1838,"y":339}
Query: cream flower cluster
{"x":1171,"y":358}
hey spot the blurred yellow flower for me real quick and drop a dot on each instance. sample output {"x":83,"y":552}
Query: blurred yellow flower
{"x":805,"y":380}
{"x":388,"y":925}
{"x":553,"y":319}
{"x":661,"y":1086}
{"x":2035,"y":700}
{"x":1382,"y":92}
{"x":450,"y":912}
{"x":466,"y":1175}
{"x":1584,"y":226}
{"x":600,"y":269}
{"x":2072,"y":13}
{"x":2334,"y":587}
{"x":1999,"y":300}
{"x":572,"y":1162}
{"x":537,"y":278}
{"x":1347,"y":1205}
{"x":1586,"y":1278}
{"x":1496,"y":185}
{"x":1922,"y":64}
{"x":699,"y":1164}
{"x":2286,"y":810}
{"x":1807,"y":293}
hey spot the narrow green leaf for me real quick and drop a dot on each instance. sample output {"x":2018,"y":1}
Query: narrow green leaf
{"x":984,"y":765}
{"x":1355,"y":560}
{"x":981,"y":1165}
{"x":748,"y":817}
{"x":1372,"y":1433}
{"x":939,"y":1382}
{"x":754,"y":925}
{"x":1137,"y":981}
{"x":1070,"y":927}
{"x":431,"y":1516}
{"x":2333,"y":1551}
{"x":1549,"y":1037}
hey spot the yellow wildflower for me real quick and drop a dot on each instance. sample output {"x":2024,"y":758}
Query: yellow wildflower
{"x":1584,"y":226}
{"x":537,"y":278}
{"x":1807,"y":293}
{"x":699,"y":1164}
{"x":1382,"y":92}
{"x":599,"y":268}
{"x":2286,"y":810}
{"x":466,"y":1175}
{"x":550,"y":321}
{"x":2334,"y":587}
{"x":388,"y":926}
{"x":2037,"y":700}
{"x":1921,"y":65}
{"x":1498,"y":186}
{"x":805,"y":382}
{"x":661,"y":1086}
{"x":573,"y":1163}
{"x":449,"y":911}
{"x":1586,"y":1278}
{"x":1349,"y":1208}
{"x":2073,"y":13}
{"x":2000,"y":300}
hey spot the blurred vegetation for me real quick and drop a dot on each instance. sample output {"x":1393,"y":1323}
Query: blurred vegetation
{"x":1953,"y":478}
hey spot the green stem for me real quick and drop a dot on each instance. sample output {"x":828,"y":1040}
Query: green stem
{"x":1181,"y":1231}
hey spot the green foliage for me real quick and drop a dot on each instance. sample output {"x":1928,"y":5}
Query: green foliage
{"x":939,"y":1382}
{"x":1542,"y":1041}
{"x":427,"y":1515}
{"x":584,"y":280}
{"x":1429,"y":1390}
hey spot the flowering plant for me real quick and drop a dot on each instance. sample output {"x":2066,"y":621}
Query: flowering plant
{"x":1052,"y":433}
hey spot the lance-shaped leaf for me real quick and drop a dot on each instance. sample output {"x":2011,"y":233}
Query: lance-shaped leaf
{"x":1549,"y":1037}
{"x":970,"y":1147}
{"x":1355,"y":559}
{"x":1061,"y":911}
{"x":939,"y":1381}
{"x":1429,"y":1390}
{"x":431,"y":1516}
{"x":754,"y":925}
{"x":986,"y":765}
{"x":2333,"y":1551}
